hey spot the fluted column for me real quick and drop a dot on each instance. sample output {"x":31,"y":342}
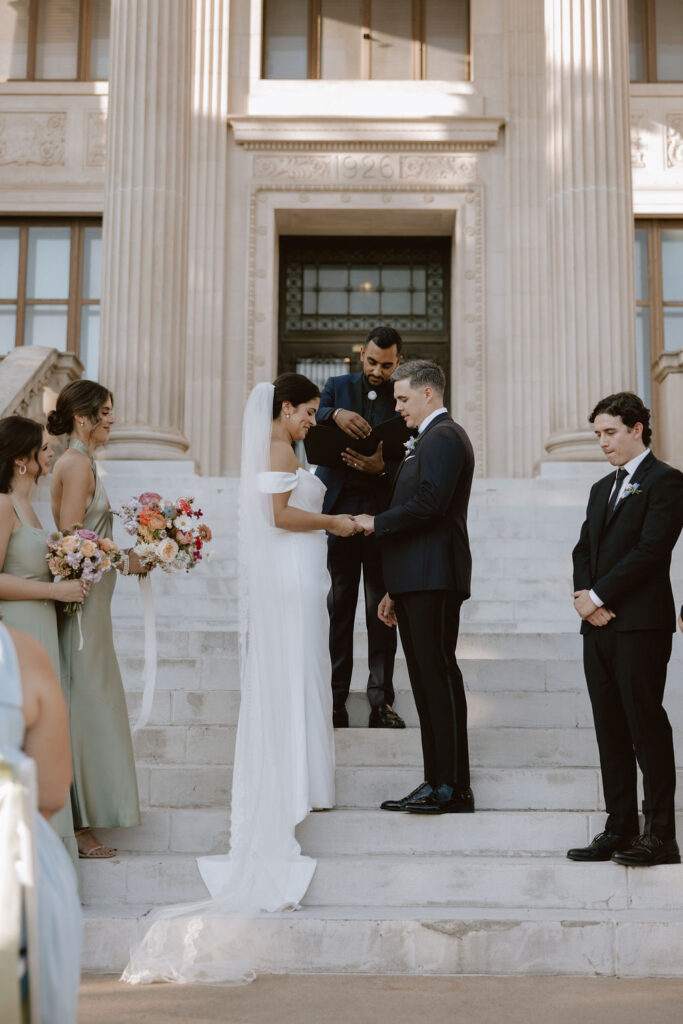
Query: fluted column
{"x":590,"y":209}
{"x":145,"y":227}
{"x":528,"y":362}
{"x":206,"y":306}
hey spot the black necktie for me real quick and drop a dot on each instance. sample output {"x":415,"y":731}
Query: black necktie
{"x":621,"y":473}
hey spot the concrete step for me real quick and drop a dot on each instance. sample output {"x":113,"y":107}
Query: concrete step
{"x":345,"y":831}
{"x":363,"y":880}
{"x":498,"y":747}
{"x":431,"y":940}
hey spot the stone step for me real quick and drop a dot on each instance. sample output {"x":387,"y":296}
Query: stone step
{"x":345,"y":831}
{"x":362,"y":880}
{"x":498,"y":747}
{"x":428,"y":940}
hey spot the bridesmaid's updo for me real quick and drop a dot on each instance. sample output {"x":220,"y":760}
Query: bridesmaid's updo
{"x":294,"y":388}
{"x":79,"y":398}
{"x":19,"y":438}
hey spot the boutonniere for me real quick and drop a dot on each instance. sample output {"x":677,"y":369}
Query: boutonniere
{"x":631,"y":489}
{"x":410,"y":444}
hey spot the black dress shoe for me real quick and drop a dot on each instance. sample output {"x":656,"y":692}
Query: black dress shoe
{"x":646,"y":851}
{"x":385,"y":717}
{"x":340,"y":718}
{"x":444,"y":799}
{"x":400,"y":805}
{"x":601,"y":847}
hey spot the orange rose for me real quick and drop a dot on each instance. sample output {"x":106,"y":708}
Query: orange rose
{"x":153,"y":520}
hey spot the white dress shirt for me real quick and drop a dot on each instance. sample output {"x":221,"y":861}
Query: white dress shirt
{"x":432,"y":416}
{"x":630,"y":468}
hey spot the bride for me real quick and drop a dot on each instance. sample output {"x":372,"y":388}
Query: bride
{"x":284,"y":756}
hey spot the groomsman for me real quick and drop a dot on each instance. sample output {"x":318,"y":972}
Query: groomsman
{"x":356,"y":403}
{"x":622,"y":592}
{"x":427,"y":568}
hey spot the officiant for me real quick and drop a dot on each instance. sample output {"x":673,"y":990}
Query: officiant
{"x":356,"y":403}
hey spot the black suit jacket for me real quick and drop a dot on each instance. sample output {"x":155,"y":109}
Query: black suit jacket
{"x":346,"y":392}
{"x":424,"y":531}
{"x":626,"y":557}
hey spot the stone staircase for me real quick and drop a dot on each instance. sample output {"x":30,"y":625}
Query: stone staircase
{"x":393,"y":893}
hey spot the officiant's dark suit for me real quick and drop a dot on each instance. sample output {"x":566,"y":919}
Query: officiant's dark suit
{"x":427,"y":569}
{"x":623,"y":556}
{"x":354,"y":492}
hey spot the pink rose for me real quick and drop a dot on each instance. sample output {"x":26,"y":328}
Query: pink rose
{"x":87,"y":535}
{"x":183,"y":538}
{"x":149,"y":498}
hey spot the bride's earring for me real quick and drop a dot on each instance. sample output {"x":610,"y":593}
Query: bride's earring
{"x":22,"y":469}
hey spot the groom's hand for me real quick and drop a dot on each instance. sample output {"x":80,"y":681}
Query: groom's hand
{"x":386,"y":611}
{"x":373,"y":464}
{"x":365,"y":523}
{"x":583,"y":604}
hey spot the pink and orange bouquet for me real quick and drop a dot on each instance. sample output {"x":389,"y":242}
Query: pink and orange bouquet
{"x":80,"y":555}
{"x":167,"y":533}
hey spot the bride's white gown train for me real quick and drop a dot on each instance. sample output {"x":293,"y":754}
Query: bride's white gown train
{"x":284,"y":754}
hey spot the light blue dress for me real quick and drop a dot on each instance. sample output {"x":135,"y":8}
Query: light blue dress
{"x":60,"y":926}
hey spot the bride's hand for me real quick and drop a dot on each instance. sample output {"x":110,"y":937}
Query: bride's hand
{"x":343,"y":526}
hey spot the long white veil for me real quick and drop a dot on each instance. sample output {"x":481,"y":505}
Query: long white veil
{"x":264,"y":870}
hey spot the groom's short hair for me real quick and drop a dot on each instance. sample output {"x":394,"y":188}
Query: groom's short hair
{"x":420,"y":373}
{"x":630,"y":407}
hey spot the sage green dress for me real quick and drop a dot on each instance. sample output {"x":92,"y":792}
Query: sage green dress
{"x":26,"y":558}
{"x":105,"y":792}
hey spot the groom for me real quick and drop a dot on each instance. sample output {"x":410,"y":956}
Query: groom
{"x":427,"y":568}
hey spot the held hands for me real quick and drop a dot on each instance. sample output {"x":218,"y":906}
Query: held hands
{"x":586,"y":609}
{"x":373,"y":464}
{"x":386,"y":612}
{"x":352,"y":423}
{"x":70,"y":591}
{"x":365,"y":523}
{"x":343,"y":526}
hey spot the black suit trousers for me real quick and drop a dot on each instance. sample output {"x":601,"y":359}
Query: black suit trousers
{"x":429,"y":622}
{"x":626,"y":674}
{"x":346,"y":557}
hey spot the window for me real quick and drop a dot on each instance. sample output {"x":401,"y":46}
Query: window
{"x":334,"y":290}
{"x":386,"y":40}
{"x":50,"y":275}
{"x":659,"y":294}
{"x":655,"y":30}
{"x":62,"y":40}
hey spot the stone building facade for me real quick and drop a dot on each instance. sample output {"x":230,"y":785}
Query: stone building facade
{"x":180,"y":165}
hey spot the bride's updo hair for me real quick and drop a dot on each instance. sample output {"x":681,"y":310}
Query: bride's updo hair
{"x":294,"y":388}
{"x":79,"y":398}
{"x":19,"y":438}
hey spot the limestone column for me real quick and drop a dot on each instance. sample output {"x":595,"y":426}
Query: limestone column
{"x":527,"y":361}
{"x":144,"y":272}
{"x":206,"y":305}
{"x":590,"y":211}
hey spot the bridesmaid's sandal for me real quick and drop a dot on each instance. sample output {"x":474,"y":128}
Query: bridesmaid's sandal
{"x":97,"y":852}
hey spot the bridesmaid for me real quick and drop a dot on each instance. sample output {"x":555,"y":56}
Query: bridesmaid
{"x":27,"y":593}
{"x":105,"y":793}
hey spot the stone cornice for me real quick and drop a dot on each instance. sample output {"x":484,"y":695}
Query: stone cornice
{"x":332,"y":133}
{"x":668,"y":362}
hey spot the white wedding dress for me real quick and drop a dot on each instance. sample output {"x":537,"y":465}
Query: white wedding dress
{"x":284,"y":753}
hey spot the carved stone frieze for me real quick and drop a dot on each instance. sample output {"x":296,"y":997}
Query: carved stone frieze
{"x":362,"y":169}
{"x":637,"y":143}
{"x":27,"y":137}
{"x":437,"y":167}
{"x":95,"y":138}
{"x":674,"y":140}
{"x":294,"y":168}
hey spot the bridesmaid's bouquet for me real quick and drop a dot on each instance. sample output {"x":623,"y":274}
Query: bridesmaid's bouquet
{"x":80,"y":555}
{"x":167,"y":533}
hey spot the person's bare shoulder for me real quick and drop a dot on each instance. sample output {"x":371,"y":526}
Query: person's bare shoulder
{"x":282,"y":458}
{"x":74,"y":464}
{"x":6,"y":507}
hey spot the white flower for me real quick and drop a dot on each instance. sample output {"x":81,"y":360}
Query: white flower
{"x":183,"y":523}
{"x":410,"y":444}
{"x":146,"y":552}
{"x":166,"y":549}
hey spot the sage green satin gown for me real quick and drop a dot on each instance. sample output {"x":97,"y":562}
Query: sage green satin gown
{"x":105,"y":791}
{"x":25,"y":558}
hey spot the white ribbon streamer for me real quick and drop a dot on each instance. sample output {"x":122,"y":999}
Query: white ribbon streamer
{"x":79,"y":615}
{"x":150,"y":669}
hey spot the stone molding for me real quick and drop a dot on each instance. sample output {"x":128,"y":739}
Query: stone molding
{"x":297,"y":133}
{"x":95,"y":138}
{"x":668,"y":362}
{"x":32,"y":376}
{"x":29,"y":137}
{"x":322,"y":168}
{"x":674,"y":140}
{"x":637,"y":142}
{"x":464,"y":199}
